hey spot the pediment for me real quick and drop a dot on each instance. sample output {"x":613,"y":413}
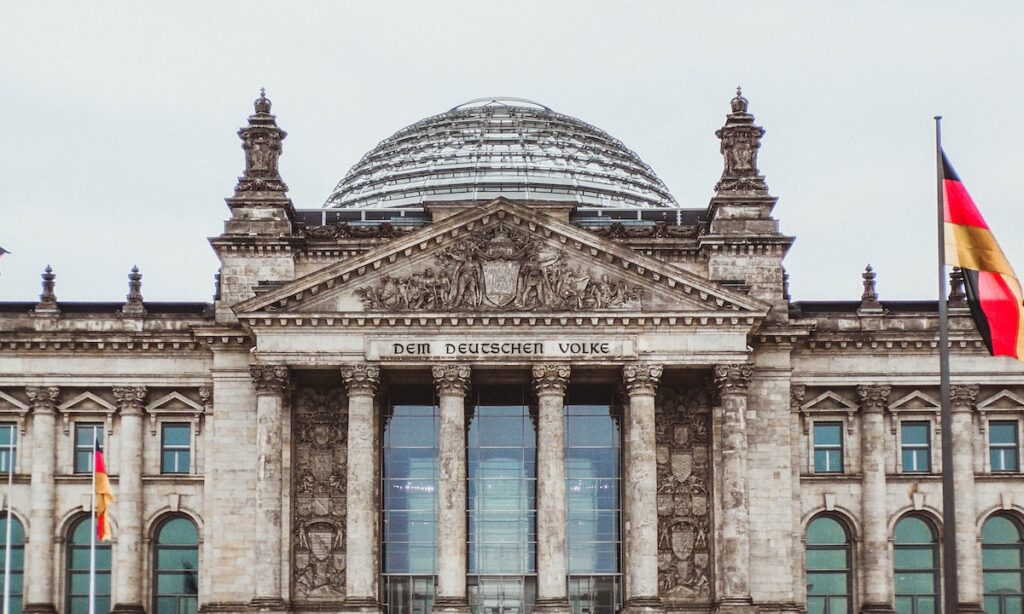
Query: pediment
{"x":915,"y":401}
{"x":1002,"y":400}
{"x":828,"y":401}
{"x":502,"y":258}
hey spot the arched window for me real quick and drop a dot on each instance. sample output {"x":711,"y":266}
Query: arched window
{"x":176,"y":567}
{"x":77,"y":587}
{"x":916,"y":565}
{"x":1002,"y":555}
{"x":17,"y":560}
{"x":829,"y":567}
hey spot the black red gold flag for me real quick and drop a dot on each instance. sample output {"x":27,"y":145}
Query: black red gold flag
{"x":104,"y":497}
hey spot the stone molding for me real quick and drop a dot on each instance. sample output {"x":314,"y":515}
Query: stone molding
{"x":962,"y":397}
{"x":361,"y":379}
{"x":130,"y":400}
{"x":43,"y":399}
{"x":551,"y":379}
{"x":269,"y":379}
{"x":641,"y":378}
{"x":873,"y":398}
{"x":733,"y":378}
{"x":451,"y":379}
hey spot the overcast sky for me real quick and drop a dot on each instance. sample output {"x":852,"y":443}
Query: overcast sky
{"x":118,"y":119}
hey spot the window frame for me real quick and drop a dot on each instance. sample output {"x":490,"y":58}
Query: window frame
{"x":70,"y":544}
{"x":828,"y":406}
{"x":815,"y":447}
{"x":177,"y":449}
{"x":1018,"y":546}
{"x":16,"y":572}
{"x":849,"y":570}
{"x":13,"y":449}
{"x":928,"y":448}
{"x":75,"y":448}
{"x":155,"y":571}
{"x":936,"y":570}
{"x":1015,"y":446}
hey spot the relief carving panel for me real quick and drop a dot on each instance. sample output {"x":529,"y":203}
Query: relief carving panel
{"x":320,"y":451}
{"x":683,"y":423}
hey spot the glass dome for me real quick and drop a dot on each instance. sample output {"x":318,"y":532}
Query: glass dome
{"x":494,"y":147}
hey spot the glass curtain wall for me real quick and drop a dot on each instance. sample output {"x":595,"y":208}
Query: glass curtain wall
{"x":593,"y":511}
{"x":501,"y":460}
{"x":409,"y":491}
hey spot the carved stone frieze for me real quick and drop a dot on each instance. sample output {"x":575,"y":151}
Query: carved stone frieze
{"x":318,"y":541}
{"x":551,"y":378}
{"x":451,"y":379}
{"x":361,"y":379}
{"x":499,"y":270}
{"x":43,"y":399}
{"x":269,"y":379}
{"x":130,"y":399}
{"x":732,"y":378}
{"x":962,"y":397}
{"x":641,"y":378}
{"x":873,"y":398}
{"x":682,"y":422}
{"x":660,"y":230}
{"x":344,"y":230}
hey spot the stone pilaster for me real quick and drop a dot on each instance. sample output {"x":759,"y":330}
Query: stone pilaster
{"x":129,"y":580}
{"x":549,"y":383}
{"x":640,"y":489}
{"x":270,"y":381}
{"x":42,"y":515}
{"x":876,"y":558}
{"x":452,"y":383}
{"x":362,"y":488}
{"x":962,"y":399}
{"x":732,"y":381}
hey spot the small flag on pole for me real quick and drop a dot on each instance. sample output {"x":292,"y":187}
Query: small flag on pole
{"x":993,"y":289}
{"x":104,"y":496}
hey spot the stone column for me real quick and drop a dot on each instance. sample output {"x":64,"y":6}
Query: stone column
{"x":549,"y":382}
{"x":452,"y":383}
{"x":39,"y":568}
{"x":362,"y":487}
{"x":129,"y":552}
{"x":271,"y":382}
{"x":640,"y":490}
{"x":732,"y":381}
{"x":876,"y":559}
{"x":962,"y":399}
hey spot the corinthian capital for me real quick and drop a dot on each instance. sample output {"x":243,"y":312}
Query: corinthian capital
{"x":129,"y":399}
{"x":873,"y":398}
{"x":361,"y":379}
{"x":963,"y":396}
{"x":269,"y":379}
{"x":451,"y":379}
{"x":641,"y":378}
{"x":733,"y":378}
{"x":43,"y":398}
{"x":550,"y":379}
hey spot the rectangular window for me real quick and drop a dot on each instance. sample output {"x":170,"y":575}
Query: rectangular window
{"x":84,"y":434}
{"x":8,"y":448}
{"x":915,"y":443}
{"x":176,"y":447}
{"x":1003,"y":446}
{"x":828,"y":447}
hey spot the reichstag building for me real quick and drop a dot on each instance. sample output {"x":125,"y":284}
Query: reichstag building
{"x":502,"y":371}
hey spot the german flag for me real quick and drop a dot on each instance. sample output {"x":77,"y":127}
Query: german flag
{"x":993,"y":290}
{"x":104,"y":496}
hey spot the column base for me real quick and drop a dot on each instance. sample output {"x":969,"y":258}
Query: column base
{"x":643,"y":605}
{"x":450,"y":605}
{"x":267,"y":604}
{"x":558,"y":605}
{"x":128,"y":608}
{"x":877,"y":608}
{"x":970,"y":607}
{"x":735,"y":605}
{"x":361,"y":605}
{"x":39,"y":608}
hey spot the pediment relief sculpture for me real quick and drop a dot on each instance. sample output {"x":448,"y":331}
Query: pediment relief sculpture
{"x":502,"y":269}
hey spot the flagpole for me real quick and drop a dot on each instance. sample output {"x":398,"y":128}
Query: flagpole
{"x":7,"y":536}
{"x":92,"y":534}
{"x":951,"y":589}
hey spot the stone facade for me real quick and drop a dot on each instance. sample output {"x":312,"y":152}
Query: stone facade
{"x":283,"y":382}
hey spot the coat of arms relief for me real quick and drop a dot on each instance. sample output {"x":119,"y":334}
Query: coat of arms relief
{"x":501,"y":269}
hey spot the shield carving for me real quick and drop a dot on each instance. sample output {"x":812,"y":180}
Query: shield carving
{"x":321,"y":538}
{"x":500,"y":278}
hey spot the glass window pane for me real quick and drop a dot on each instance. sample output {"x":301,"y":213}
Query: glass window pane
{"x":178,"y":531}
{"x":914,"y":558}
{"x":914,"y":432}
{"x":1000,"y":530}
{"x":1001,"y":558}
{"x":911,"y":583}
{"x":826,"y":530}
{"x":1002,"y":582}
{"x":827,"y":434}
{"x":177,"y":434}
{"x":826,"y":558}
{"x":913,"y":530}
{"x":1004,"y":432}
{"x":819,"y":583}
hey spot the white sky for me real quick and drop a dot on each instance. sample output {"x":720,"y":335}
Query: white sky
{"x":118,"y":119}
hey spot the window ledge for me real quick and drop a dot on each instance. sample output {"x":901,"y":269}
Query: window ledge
{"x":174,"y":478}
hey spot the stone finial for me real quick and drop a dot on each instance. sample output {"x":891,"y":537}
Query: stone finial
{"x":873,"y":398}
{"x":361,"y":379}
{"x":133,"y":300}
{"x":451,"y":379}
{"x":269,"y":379}
{"x":48,"y":299}
{"x":551,"y":379}
{"x":732,"y":378}
{"x":963,"y":396}
{"x":785,"y":285}
{"x":641,"y":378}
{"x":957,"y":296}
{"x":129,"y":399}
{"x":740,"y":140}
{"x":261,"y":141}
{"x":869,"y":297}
{"x":43,"y":399}
{"x":216,"y":285}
